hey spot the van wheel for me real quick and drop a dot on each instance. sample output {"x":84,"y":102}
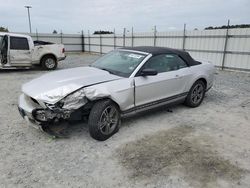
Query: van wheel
{"x":104,"y":120}
{"x":49,"y":62}
{"x":196,"y":94}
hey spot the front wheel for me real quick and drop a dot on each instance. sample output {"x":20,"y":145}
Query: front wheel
{"x":104,"y":120}
{"x":196,"y":94}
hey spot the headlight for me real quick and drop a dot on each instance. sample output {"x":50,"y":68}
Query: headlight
{"x":39,"y":115}
{"x":74,"y":100}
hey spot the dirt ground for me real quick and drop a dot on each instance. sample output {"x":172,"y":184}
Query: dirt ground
{"x":208,"y":146}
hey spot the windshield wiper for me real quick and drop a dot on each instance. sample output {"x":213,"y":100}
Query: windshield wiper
{"x":110,"y":71}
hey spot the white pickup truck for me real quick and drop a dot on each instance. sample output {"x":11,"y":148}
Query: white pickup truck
{"x":19,"y":51}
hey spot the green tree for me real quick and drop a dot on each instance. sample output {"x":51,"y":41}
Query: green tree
{"x":230,"y":26}
{"x":3,"y":29}
{"x":102,"y":32}
{"x":54,"y":32}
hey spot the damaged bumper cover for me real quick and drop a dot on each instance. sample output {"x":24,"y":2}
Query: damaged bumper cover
{"x":67,"y":108}
{"x":37,"y":116}
{"x":50,"y":116}
{"x":49,"y":113}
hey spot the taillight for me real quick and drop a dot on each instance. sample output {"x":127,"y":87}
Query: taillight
{"x":63,"y":50}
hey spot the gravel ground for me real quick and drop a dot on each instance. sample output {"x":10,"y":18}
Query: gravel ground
{"x":208,"y":146}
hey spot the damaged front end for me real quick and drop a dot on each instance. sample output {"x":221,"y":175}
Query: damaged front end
{"x":47,"y":117}
{"x":65,"y":109}
{"x":50,"y":116}
{"x":72,"y":107}
{"x":75,"y":106}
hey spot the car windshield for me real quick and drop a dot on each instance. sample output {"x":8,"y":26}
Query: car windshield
{"x":121,"y":63}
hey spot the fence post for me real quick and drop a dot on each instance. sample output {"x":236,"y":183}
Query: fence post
{"x":124,"y":34}
{"x":155,"y":35}
{"x":83,"y":42}
{"x":61,"y":36}
{"x":114,"y":39}
{"x":225,"y":46}
{"x":89,"y":40}
{"x":132,"y":37}
{"x":36,"y":35}
{"x":100,"y":43}
{"x":184,"y":37}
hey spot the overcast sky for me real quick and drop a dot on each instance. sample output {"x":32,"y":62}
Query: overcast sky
{"x":74,"y":15}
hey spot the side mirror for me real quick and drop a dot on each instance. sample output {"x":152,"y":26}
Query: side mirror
{"x":149,"y":72}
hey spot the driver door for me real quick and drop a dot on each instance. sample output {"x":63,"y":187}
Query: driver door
{"x":168,"y":83}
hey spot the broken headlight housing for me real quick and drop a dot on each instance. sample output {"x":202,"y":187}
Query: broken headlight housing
{"x":39,"y":115}
{"x":74,"y":100}
{"x":45,"y":115}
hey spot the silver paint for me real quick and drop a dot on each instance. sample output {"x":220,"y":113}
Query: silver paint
{"x":56,"y":85}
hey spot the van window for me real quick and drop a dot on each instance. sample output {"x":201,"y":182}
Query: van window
{"x":19,"y":43}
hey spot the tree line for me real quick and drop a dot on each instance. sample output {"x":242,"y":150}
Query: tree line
{"x":230,"y":26}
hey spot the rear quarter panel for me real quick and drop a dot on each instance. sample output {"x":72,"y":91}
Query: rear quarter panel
{"x":205,"y":70}
{"x":40,"y":51}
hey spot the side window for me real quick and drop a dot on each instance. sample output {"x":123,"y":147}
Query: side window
{"x":181,"y":63}
{"x":19,"y":43}
{"x":165,"y":62}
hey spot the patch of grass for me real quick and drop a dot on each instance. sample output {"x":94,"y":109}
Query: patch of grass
{"x":168,"y":151}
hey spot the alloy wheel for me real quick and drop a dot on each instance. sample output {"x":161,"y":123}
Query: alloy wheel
{"x":108,"y":120}
{"x":197,"y":93}
{"x":50,"y":63}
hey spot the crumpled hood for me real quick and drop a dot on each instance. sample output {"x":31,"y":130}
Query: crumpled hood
{"x":54,"y":86}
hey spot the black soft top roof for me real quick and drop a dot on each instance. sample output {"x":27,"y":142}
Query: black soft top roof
{"x":162,"y":50}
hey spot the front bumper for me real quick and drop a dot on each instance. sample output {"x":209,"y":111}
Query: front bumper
{"x":37,"y":115}
{"x":29,"y":119}
{"x":26,"y":107}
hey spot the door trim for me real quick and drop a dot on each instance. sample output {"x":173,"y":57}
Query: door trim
{"x":157,"y":103}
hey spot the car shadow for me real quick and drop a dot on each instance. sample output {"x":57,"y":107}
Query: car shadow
{"x":21,"y":70}
{"x":80,"y":128}
{"x":31,"y":69}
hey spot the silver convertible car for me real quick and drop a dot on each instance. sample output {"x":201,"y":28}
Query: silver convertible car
{"x":122,"y":82}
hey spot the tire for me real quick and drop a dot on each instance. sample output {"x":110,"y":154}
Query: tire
{"x":101,"y":125}
{"x":196,"y":94}
{"x":49,"y":62}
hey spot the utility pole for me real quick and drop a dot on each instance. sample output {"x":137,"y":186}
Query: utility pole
{"x":225,"y":46}
{"x":184,"y":37}
{"x":124,"y":36}
{"x":155,"y":35}
{"x":28,"y":8}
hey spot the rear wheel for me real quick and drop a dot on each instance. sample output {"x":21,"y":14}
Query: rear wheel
{"x":49,"y":62}
{"x":104,"y":120}
{"x":196,"y":94}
